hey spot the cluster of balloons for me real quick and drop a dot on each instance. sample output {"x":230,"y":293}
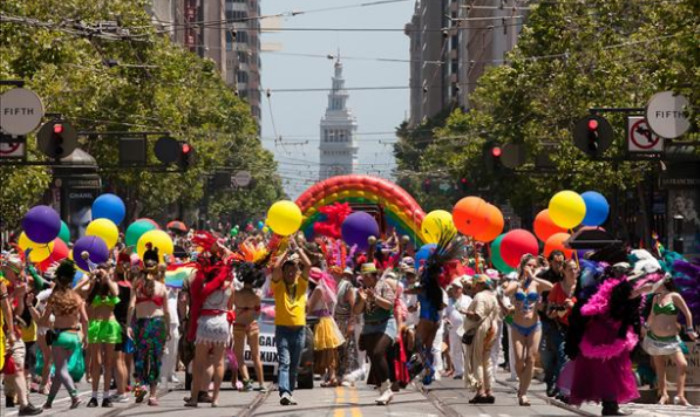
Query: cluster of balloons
{"x":44,"y":235}
{"x":102,"y":233}
{"x":566,"y":210}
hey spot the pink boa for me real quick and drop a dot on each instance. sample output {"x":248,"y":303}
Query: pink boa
{"x":617,"y":348}
{"x":598,"y":303}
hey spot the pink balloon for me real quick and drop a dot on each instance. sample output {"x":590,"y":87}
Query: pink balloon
{"x":517,"y":243}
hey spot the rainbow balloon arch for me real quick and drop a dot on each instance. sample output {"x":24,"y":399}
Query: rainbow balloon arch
{"x":401,"y":211}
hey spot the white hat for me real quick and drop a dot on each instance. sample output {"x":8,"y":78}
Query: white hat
{"x":456,"y":283}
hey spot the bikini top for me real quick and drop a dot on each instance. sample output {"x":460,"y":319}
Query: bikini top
{"x":105,"y":301}
{"x":531,"y":296}
{"x":669,"y":309}
{"x":157,"y":300}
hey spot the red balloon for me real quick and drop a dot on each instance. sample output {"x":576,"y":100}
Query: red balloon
{"x":60,"y":252}
{"x":556,"y":242}
{"x":517,"y":243}
{"x":545,"y":227}
{"x":468,"y":215}
{"x":493,"y":224}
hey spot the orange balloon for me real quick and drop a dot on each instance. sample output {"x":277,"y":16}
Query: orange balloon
{"x":493,"y":224}
{"x":556,"y":242}
{"x":468,"y":215}
{"x":545,"y":227}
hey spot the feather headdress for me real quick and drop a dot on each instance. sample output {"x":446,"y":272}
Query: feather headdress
{"x":448,"y":249}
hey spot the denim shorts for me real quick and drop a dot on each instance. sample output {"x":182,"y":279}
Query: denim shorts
{"x":388,"y":328}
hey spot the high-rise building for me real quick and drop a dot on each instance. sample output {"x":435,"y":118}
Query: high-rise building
{"x":452,"y":43}
{"x":338,"y":148}
{"x":225,"y":31}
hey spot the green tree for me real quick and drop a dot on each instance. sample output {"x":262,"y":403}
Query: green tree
{"x":570,"y":57}
{"x":136,"y":81}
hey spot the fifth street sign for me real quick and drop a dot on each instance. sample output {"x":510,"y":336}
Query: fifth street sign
{"x":21,"y":111}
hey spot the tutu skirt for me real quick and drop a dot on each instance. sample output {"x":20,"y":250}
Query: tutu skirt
{"x":327,"y":334}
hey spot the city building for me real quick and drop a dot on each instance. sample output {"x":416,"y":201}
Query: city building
{"x":452,"y":42}
{"x":225,"y":31}
{"x":338,"y":149}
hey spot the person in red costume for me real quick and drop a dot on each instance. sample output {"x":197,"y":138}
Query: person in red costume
{"x":211,"y":314}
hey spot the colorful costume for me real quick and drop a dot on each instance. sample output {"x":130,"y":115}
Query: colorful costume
{"x":602,"y":367}
{"x":149,"y":337}
{"x":104,"y":331}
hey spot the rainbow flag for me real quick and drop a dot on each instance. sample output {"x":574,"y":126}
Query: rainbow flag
{"x":176,"y":275}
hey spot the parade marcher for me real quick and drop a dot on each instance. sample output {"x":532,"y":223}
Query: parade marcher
{"x":602,"y":334}
{"x":13,"y":287}
{"x":526,"y":325}
{"x":375,"y":300}
{"x":104,"y":331}
{"x":662,"y":341}
{"x":170,"y":357}
{"x":124,"y":272}
{"x":150,"y":328}
{"x":211,"y":317}
{"x":480,"y":331}
{"x":327,"y":335}
{"x":456,"y":308}
{"x":289,"y":285}
{"x":348,"y":361}
{"x":43,"y":326}
{"x":246,"y":329}
{"x":561,"y":301}
{"x":551,"y":350}
{"x":71,"y":319}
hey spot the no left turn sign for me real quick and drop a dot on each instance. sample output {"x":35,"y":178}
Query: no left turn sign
{"x":640,"y":137}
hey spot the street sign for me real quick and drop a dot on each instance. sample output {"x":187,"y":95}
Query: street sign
{"x":242,"y":179}
{"x":13,"y":148}
{"x":640,"y":138}
{"x":21,"y":111}
{"x":667,"y":115}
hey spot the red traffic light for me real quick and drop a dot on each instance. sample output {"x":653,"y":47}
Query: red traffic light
{"x":592,"y":124}
{"x":58,"y":128}
{"x":463,"y":180}
{"x":496,"y":151}
{"x":186,"y":148}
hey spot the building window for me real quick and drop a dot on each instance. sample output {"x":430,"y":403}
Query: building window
{"x":242,"y":36}
{"x":242,"y":57}
{"x":229,"y":40}
{"x":242,"y":77}
{"x":236,"y":15}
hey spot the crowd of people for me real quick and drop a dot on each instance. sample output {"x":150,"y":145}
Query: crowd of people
{"x":380,"y":315}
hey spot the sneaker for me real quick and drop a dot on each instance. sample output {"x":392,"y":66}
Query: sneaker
{"x":140,"y":395}
{"x":153,"y":401}
{"x":30,"y":410}
{"x":262,"y":388}
{"x":92,"y":403}
{"x":292,"y":401}
{"x":107,"y":403}
{"x":286,"y":399}
{"x":174,"y":380}
{"x":247,"y":385}
{"x":387,"y":394}
{"x":119,"y":398}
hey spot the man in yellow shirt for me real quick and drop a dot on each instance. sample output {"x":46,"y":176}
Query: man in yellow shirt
{"x":289,"y":283}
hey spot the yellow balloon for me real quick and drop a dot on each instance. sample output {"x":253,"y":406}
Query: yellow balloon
{"x":567,"y":209}
{"x":284,"y":218}
{"x":158,"y":239}
{"x":104,"y":229}
{"x":435,"y":224}
{"x":39,"y":251}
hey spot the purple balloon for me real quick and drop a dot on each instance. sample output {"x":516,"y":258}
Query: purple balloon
{"x":96,"y":249}
{"x":357,"y":227}
{"x":41,"y":224}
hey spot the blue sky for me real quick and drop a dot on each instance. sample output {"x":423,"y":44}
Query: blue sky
{"x":297,"y":114}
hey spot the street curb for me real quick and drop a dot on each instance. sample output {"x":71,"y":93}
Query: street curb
{"x":257,"y":402}
{"x":551,"y":401}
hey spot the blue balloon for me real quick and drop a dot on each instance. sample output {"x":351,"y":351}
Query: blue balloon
{"x":77,"y":277}
{"x":109,"y":206}
{"x":423,"y":253}
{"x":597,"y":208}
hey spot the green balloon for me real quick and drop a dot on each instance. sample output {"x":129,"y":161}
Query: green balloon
{"x":136,"y":230}
{"x":64,"y":234}
{"x":234,"y":231}
{"x":496,"y":258}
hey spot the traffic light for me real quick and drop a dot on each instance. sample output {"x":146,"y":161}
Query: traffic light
{"x":57,"y":139}
{"x":464,"y":185}
{"x":492,"y":157}
{"x":426,"y":186}
{"x":593,"y":135}
{"x":187,"y":156}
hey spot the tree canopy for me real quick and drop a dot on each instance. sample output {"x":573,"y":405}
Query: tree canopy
{"x":570,"y":56}
{"x":128,"y":81}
